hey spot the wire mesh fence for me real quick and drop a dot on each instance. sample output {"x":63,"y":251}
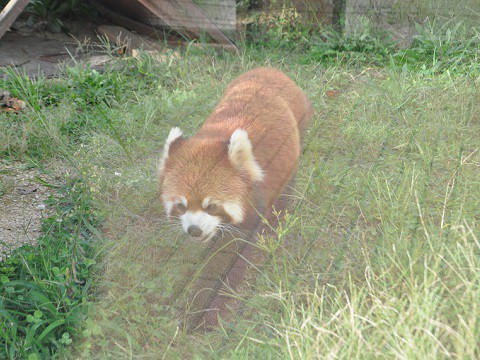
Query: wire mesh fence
{"x":399,"y":17}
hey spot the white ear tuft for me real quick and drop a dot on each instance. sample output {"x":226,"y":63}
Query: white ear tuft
{"x":235,"y":211}
{"x":174,"y":134}
{"x":241,"y":155}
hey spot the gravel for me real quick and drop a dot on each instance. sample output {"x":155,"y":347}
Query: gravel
{"x":22,"y":204}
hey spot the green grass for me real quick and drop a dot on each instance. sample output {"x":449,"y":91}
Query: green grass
{"x":46,"y":287}
{"x":380,"y":260}
{"x":379,"y":256}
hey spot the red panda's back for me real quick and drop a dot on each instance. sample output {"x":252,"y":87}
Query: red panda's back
{"x":275,"y":112}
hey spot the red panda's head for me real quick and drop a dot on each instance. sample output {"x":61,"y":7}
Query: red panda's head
{"x":207,"y":183}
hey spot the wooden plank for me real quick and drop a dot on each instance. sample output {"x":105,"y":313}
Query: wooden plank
{"x":127,"y":22}
{"x":195,"y":12}
{"x":223,"y":13}
{"x":10,"y":13}
{"x":167,"y":12}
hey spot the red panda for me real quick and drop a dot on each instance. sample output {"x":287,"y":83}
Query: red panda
{"x":230,"y":173}
{"x":239,"y":162}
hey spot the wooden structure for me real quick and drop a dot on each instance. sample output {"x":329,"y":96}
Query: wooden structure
{"x":10,"y":13}
{"x":214,"y":18}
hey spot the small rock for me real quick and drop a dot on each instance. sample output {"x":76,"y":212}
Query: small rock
{"x":25,"y":191}
{"x":41,"y":207}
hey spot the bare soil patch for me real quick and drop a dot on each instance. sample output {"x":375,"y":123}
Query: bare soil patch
{"x":33,"y":51}
{"x":23,"y":195}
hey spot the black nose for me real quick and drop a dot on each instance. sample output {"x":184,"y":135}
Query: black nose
{"x":194,"y":231}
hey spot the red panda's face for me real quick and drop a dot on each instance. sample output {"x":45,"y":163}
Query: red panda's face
{"x":202,"y":186}
{"x":202,"y":221}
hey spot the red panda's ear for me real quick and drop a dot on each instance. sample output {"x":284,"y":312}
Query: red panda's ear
{"x":241,"y":155}
{"x":174,"y":135}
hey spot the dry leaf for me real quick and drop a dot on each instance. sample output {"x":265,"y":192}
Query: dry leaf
{"x":8,"y":103}
{"x":332,"y":93}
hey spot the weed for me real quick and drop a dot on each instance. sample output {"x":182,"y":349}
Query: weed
{"x":5,"y":186}
{"x":45,"y":287}
{"x":62,"y":126}
{"x":433,"y":49}
{"x":436,"y":50}
{"x":286,"y":30}
{"x":366,"y":48}
{"x":281,"y":30}
{"x":37,"y":92}
{"x":90,"y":87}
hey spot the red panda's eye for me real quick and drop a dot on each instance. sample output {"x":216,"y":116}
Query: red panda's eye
{"x":212,"y":208}
{"x":181,"y":208}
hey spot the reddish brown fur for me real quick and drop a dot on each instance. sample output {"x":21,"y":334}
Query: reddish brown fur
{"x":275,"y":113}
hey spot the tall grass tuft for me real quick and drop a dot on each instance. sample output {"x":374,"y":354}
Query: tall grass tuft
{"x":425,"y":308}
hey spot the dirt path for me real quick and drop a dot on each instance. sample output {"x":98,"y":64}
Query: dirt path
{"x":22,"y":205}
